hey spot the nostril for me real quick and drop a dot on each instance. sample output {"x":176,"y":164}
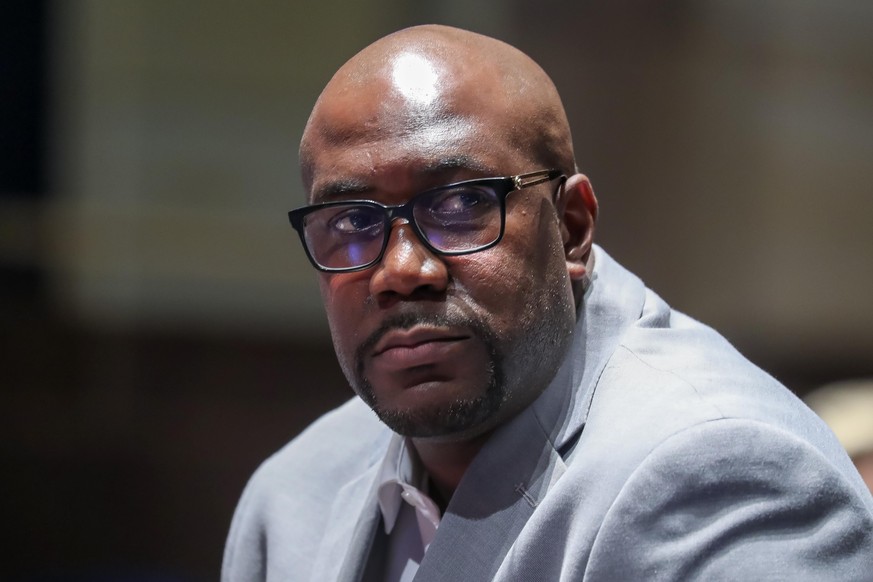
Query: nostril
{"x":388,"y":298}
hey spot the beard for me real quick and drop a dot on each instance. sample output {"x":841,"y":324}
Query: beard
{"x":453,"y":417}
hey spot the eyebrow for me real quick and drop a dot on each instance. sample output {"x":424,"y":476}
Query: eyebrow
{"x":346,"y":187}
{"x":340,"y":188}
{"x":458,"y":162}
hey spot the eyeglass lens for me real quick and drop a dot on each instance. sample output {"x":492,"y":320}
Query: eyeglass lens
{"x":455,"y":219}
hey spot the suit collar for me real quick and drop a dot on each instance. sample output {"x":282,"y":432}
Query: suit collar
{"x":612,"y":303}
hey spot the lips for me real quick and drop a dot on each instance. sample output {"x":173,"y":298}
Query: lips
{"x":419,"y":346}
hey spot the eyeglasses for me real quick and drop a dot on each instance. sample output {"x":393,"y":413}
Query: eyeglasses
{"x":457,"y":219}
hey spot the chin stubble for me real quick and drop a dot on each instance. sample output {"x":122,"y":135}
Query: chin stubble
{"x":456,"y":416}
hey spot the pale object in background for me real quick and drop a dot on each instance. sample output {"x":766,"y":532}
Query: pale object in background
{"x":847,"y":407}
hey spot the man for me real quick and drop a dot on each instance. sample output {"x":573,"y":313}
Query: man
{"x":541,"y":414}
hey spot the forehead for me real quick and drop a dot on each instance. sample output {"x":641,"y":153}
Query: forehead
{"x":396,"y":159}
{"x":416,"y":118}
{"x":399,"y":183}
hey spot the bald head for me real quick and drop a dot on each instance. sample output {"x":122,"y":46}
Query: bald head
{"x":423,"y":85}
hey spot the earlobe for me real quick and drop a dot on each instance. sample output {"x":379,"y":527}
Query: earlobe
{"x":577,"y":212}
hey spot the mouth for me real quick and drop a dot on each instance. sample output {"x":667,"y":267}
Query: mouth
{"x":418,"y":346}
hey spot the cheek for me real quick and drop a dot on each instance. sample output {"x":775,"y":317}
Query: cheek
{"x":344,"y":298}
{"x":524,"y":276}
{"x":535,"y":251}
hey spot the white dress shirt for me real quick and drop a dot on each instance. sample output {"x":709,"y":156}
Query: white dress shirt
{"x":411,"y":517}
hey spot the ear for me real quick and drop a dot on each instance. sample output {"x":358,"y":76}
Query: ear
{"x":577,"y":213}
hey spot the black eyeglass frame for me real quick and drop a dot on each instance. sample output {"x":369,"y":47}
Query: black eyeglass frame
{"x":503,"y":186}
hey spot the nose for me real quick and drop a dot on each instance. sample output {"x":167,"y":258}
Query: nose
{"x":408,"y":269}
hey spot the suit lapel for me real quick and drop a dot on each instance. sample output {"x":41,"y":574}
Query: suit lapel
{"x":493,"y":502}
{"x":350,"y":530}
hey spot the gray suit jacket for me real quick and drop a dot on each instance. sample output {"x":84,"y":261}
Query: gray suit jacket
{"x":657,"y":453}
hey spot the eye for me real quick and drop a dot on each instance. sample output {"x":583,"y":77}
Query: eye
{"x":356,"y":220}
{"x":462,"y":203}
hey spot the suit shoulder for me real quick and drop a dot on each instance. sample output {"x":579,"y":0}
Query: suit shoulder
{"x":737,"y":498}
{"x":283,"y":509}
{"x":676,"y":374}
{"x":690,"y":373}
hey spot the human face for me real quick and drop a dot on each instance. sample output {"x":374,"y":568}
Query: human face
{"x":442,"y":347}
{"x":448,"y":346}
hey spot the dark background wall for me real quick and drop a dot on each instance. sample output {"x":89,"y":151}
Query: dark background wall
{"x":161,"y":331}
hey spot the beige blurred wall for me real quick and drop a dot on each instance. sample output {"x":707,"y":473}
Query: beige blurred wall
{"x":176,"y":156}
{"x":729,"y":144}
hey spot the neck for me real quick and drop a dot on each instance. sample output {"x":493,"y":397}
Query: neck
{"x":446,"y":463}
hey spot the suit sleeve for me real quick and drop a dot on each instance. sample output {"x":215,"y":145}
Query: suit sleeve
{"x":736,"y":499}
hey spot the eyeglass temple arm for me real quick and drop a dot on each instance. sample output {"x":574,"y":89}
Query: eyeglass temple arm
{"x":534,"y":178}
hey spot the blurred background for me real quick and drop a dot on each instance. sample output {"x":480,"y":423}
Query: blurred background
{"x":161,"y":329}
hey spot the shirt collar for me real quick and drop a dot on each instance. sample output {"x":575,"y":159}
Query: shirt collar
{"x":399,"y":466}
